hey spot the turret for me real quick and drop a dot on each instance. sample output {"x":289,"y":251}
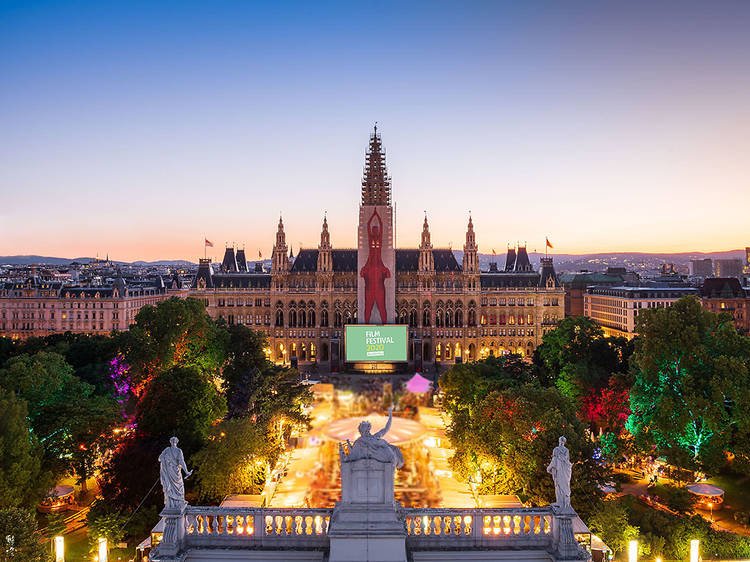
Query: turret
{"x":324,"y":249}
{"x":471,"y":260}
{"x":426,"y":259}
{"x":279,"y":260}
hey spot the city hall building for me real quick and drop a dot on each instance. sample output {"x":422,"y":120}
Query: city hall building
{"x":454,"y":311}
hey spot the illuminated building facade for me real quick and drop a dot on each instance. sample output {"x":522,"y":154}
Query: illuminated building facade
{"x":454,"y":311}
{"x":616,"y":309}
{"x":36,"y":307}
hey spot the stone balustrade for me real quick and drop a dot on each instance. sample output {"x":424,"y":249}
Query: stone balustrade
{"x":492,"y":528}
{"x":256,"y":527}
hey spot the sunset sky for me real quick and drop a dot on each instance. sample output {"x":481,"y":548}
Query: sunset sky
{"x":137,"y":128}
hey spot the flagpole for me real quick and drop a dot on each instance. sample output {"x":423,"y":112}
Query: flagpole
{"x":204,"y":246}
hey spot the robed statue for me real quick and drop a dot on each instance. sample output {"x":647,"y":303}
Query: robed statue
{"x":561,"y":469}
{"x":172,"y":465}
{"x":373,"y":446}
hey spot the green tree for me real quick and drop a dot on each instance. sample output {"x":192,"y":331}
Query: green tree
{"x":236,"y":459}
{"x":610,"y":522}
{"x":257,"y":388}
{"x":175,"y":332}
{"x":180,"y":402}
{"x":19,"y":539}
{"x":690,"y":397}
{"x":106,"y":524}
{"x":465,"y":385}
{"x":577,"y":356}
{"x":21,"y":480}
{"x":507,"y":438}
{"x":65,"y":414}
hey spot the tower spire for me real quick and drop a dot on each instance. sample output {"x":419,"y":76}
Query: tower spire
{"x":376,"y":184}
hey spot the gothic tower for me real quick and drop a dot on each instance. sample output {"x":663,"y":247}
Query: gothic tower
{"x":426,"y":259}
{"x":376,"y":257}
{"x":279,"y":259}
{"x":471,"y":258}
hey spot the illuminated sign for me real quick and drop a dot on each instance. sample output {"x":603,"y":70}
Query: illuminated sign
{"x":365,"y":342}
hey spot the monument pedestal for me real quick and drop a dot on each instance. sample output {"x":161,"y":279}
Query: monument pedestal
{"x":170,"y":546}
{"x":366,"y":525}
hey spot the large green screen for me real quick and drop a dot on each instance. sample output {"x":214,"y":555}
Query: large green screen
{"x":365,"y":342}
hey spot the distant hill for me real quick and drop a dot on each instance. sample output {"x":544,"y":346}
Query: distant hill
{"x":563,"y":262}
{"x":49,"y":260}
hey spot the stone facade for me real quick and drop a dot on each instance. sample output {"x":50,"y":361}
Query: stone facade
{"x":37,"y":307}
{"x":454,"y":311}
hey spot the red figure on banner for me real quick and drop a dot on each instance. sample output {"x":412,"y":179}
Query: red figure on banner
{"x":374,"y":271}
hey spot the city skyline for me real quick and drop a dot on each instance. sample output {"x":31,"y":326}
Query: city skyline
{"x":138,"y":130}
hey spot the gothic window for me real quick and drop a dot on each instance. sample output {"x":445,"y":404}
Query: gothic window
{"x":472,"y":317}
{"x":426,"y":318}
{"x":459,"y":318}
{"x":302,"y":319}
{"x":337,"y":319}
{"x":292,"y":318}
{"x":413,"y":318}
{"x":324,"y":318}
{"x":311,"y":318}
{"x":402,"y":317}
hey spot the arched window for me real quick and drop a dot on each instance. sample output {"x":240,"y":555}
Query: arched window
{"x":311,"y":318}
{"x":302,"y":319}
{"x":459,"y":318}
{"x":426,"y":317}
{"x":413,"y":318}
{"x":472,"y":317}
{"x":279,"y":317}
{"x":337,"y":319}
{"x":292,"y":318}
{"x":402,"y":317}
{"x":324,"y":318}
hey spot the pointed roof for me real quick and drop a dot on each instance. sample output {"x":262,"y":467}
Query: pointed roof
{"x":522,"y":260}
{"x":229,"y":263}
{"x":376,"y":184}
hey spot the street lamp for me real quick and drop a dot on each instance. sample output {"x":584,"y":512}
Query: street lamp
{"x":694,"y":548}
{"x":59,"y":548}
{"x":633,"y":551}
{"x":102,"y":549}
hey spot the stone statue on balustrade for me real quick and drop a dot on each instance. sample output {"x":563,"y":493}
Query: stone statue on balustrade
{"x":368,"y":520}
{"x":373,"y":446}
{"x":172,"y":464}
{"x":561,"y":470}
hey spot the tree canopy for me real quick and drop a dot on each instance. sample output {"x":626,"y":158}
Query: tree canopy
{"x":578,"y":358}
{"x":174,"y":332}
{"x":690,"y":397}
{"x":504,"y":429}
{"x":21,"y":479}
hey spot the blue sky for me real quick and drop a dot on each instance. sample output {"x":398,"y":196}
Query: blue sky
{"x":137,"y":128}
